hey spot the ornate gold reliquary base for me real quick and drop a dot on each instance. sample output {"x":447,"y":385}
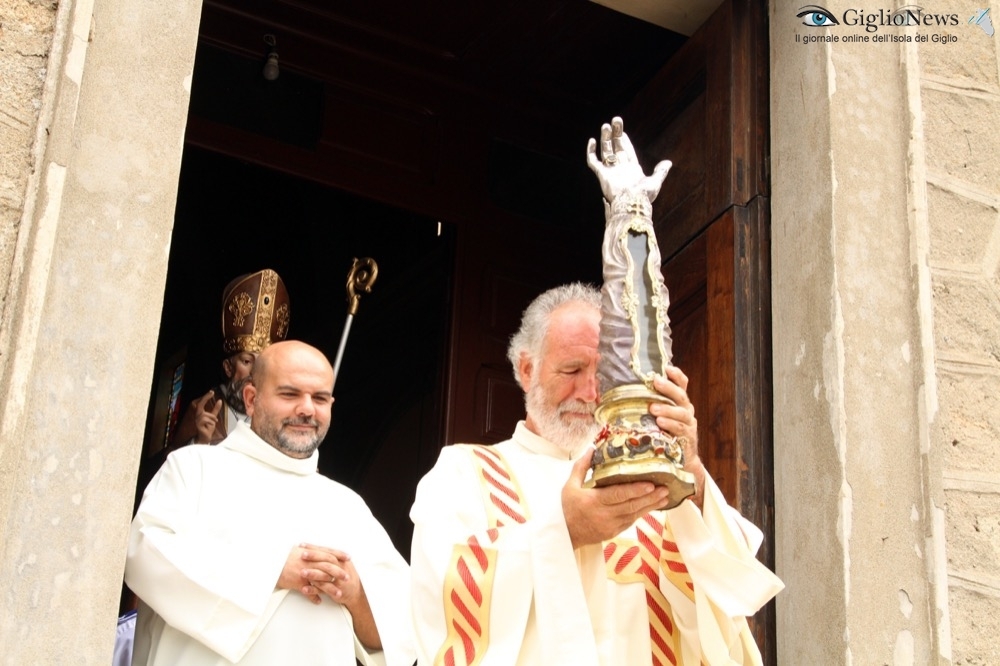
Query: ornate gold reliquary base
{"x":630,"y":447}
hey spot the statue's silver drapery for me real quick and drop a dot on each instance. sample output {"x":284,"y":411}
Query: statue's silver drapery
{"x":635,"y":342}
{"x":635,"y":330}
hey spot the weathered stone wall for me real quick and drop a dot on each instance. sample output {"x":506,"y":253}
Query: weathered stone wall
{"x":960,"y":99}
{"x":849,"y":479}
{"x":25,"y":39}
{"x":84,"y":292}
{"x":886,"y":311}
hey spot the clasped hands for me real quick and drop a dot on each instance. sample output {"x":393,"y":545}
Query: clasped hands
{"x":594,"y":515}
{"x":315,"y":570}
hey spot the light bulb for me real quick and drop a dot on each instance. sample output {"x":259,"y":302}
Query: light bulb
{"x":271,"y":70}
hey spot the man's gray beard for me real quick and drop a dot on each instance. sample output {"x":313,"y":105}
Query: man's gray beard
{"x":279,"y":440}
{"x":232,"y":391}
{"x":571,"y":436}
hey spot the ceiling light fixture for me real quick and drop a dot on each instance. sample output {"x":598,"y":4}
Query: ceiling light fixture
{"x":271,"y":70}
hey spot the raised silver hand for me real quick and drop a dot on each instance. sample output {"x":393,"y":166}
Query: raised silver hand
{"x":618,"y":169}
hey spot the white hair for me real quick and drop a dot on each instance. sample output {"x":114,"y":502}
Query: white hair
{"x":535,"y":321}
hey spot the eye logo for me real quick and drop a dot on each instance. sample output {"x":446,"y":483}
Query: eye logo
{"x":815,"y":16}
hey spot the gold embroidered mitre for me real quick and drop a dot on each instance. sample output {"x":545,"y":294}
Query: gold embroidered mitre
{"x":255,"y":312}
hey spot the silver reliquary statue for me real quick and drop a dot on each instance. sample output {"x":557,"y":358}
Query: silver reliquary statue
{"x":635,"y":342}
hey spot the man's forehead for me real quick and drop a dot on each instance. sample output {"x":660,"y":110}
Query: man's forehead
{"x":302,"y":374}
{"x":571,"y":350}
{"x":573,"y":325}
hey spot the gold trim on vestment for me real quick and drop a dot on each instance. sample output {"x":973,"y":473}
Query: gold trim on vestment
{"x":468,"y":584}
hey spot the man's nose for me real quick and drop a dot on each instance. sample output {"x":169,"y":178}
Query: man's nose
{"x":306,"y":406}
{"x":586,"y":388}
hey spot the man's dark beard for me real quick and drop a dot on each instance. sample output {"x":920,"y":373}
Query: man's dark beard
{"x":232,"y":392}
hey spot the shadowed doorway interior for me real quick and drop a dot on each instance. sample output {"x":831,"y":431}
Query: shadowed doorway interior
{"x":234,"y":218}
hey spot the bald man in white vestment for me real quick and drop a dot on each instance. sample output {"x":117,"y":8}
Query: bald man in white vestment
{"x":243,"y":553}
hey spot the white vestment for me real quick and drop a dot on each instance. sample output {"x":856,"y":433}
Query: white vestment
{"x":208,"y":544}
{"x":549,"y":604}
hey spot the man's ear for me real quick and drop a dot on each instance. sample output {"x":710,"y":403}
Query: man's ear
{"x":525,"y":367}
{"x":227,"y":368}
{"x":249,"y":397}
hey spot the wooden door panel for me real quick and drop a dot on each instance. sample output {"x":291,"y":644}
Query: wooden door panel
{"x":686,"y":278}
{"x":499,"y":403}
{"x":679,"y":211}
{"x":700,"y":281}
{"x":502,"y":268}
